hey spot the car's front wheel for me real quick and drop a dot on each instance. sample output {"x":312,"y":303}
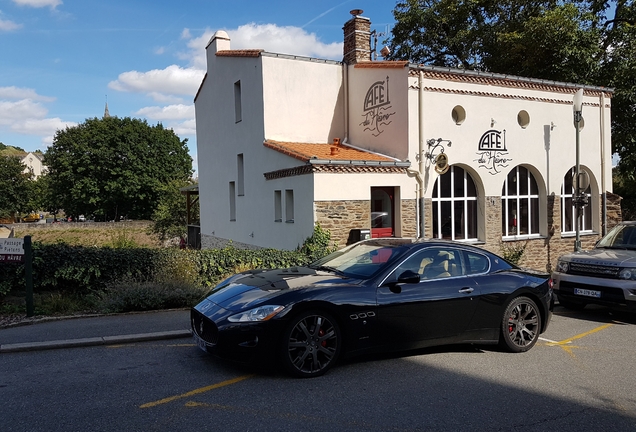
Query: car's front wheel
{"x":311,"y":344}
{"x":520,"y":325}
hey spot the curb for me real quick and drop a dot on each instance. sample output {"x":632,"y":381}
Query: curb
{"x":84,"y":342}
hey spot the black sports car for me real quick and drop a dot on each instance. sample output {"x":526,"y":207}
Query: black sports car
{"x":376,"y":295}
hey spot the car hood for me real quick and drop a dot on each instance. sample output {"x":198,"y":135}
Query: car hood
{"x":603,"y":256}
{"x":252,"y":288}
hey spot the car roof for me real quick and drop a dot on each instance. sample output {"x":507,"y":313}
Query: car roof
{"x":413,"y":242}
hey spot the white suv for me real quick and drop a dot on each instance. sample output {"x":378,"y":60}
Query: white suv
{"x":606,"y":275}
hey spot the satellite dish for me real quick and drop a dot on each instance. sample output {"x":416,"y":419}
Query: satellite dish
{"x":441,"y":163}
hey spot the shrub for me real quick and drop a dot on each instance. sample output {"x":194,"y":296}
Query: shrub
{"x":128,"y":278}
{"x":317,"y":246}
{"x":513,"y":252}
{"x":144,"y":296}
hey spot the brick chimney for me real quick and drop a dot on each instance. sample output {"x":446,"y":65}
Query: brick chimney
{"x":357,"y":38}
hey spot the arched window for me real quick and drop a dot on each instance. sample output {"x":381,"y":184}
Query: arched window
{"x":455,"y":206}
{"x":520,"y":204}
{"x":568,"y":209}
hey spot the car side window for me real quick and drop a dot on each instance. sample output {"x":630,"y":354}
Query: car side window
{"x":444,"y":262}
{"x":476,"y":263}
{"x":433,"y":263}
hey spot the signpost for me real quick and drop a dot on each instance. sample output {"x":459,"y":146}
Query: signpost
{"x":19,"y":250}
{"x":11,"y":250}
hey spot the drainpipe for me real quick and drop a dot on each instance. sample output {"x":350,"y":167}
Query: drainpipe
{"x":420,"y":149}
{"x":345,"y":80}
{"x":604,"y":193}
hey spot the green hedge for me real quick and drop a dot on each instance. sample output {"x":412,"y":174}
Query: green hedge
{"x":80,"y":269}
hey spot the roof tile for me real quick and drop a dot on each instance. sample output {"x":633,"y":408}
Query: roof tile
{"x":340,"y":152}
{"x":240,"y":53}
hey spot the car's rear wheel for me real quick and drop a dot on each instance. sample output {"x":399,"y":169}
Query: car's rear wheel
{"x":571,"y":304}
{"x":311,"y":344}
{"x":521,"y":325}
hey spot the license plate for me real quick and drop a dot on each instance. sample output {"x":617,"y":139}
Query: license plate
{"x":587,"y":292}
{"x":200,"y":343}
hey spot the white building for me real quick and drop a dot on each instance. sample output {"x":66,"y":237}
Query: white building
{"x":33,"y":162}
{"x":285,"y":142}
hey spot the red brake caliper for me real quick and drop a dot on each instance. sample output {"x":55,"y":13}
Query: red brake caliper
{"x":322,"y":333}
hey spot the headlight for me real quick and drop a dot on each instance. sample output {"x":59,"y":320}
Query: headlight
{"x":562,"y":266}
{"x":261,"y":313}
{"x":628,"y":273}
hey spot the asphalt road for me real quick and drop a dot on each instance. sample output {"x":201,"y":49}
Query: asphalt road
{"x":578,"y":378}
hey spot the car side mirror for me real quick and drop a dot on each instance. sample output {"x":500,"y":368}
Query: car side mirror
{"x":408,"y":277}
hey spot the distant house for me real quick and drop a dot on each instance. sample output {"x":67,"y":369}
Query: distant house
{"x":33,"y":162}
{"x":395,"y":148}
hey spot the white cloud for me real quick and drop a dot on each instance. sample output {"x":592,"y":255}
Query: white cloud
{"x":44,"y":127}
{"x":170,"y":112}
{"x":172,"y":80}
{"x":186,"y":128}
{"x":27,"y":117}
{"x":6,"y":25}
{"x":38,"y":3}
{"x":10,"y":112}
{"x":283,"y":40}
{"x":22,"y":93}
{"x":164,"y":98}
{"x":270,"y":37}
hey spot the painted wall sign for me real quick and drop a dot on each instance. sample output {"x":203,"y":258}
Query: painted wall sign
{"x":377,"y":105}
{"x":492,"y":151}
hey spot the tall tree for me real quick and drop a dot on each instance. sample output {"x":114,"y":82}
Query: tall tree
{"x":16,"y":187}
{"x":114,"y":167}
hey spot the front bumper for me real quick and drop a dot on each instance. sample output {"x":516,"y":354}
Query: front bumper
{"x":613,"y":292}
{"x":242,"y":342}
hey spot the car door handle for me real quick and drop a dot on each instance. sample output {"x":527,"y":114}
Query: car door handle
{"x":466,"y":290}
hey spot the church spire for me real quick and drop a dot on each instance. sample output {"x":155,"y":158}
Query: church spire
{"x":106,"y":113}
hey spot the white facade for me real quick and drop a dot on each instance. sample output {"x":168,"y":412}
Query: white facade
{"x":257,"y":112}
{"x":33,"y":164}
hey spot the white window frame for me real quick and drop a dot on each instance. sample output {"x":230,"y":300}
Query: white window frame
{"x":586,"y":222}
{"x":528,"y":198}
{"x":453,"y":199}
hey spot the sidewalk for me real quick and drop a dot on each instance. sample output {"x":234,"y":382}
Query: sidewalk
{"x":96,"y":330}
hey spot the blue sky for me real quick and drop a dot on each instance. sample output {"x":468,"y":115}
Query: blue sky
{"x":61,"y":60}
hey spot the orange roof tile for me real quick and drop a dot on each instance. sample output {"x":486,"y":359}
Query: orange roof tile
{"x":240,"y":53}
{"x":307,"y":151}
{"x":382,"y":64}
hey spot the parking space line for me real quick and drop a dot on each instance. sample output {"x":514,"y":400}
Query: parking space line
{"x":195,"y":391}
{"x":568,"y":348}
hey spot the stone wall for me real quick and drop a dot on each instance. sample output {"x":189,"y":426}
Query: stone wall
{"x":340,"y":217}
{"x":409,"y":218}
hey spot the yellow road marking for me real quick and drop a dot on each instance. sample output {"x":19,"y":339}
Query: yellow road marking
{"x":568,"y":348}
{"x":195,"y":391}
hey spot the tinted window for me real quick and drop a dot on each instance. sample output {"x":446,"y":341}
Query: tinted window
{"x":477,"y":263}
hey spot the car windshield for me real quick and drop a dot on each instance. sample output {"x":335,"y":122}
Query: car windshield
{"x":620,"y":237}
{"x":362,"y":260}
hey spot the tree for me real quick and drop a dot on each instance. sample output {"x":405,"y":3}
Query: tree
{"x":170,"y":217}
{"x":581,"y":41}
{"x":16,"y":187}
{"x":114,"y":167}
